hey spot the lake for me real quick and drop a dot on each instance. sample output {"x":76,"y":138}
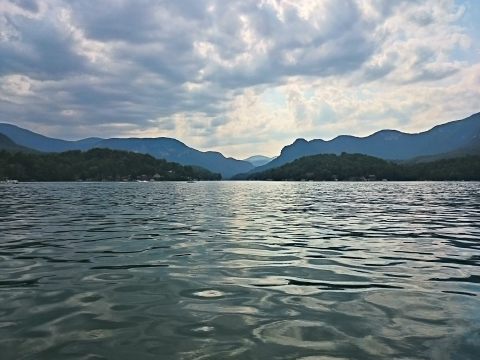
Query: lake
{"x":241,"y":270}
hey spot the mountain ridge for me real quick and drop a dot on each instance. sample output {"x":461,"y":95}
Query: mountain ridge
{"x":36,"y":141}
{"x":454,"y":137}
{"x":387,"y":144}
{"x":166,"y":148}
{"x":8,"y":144}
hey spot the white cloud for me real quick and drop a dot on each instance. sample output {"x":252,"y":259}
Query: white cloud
{"x":240,"y":76}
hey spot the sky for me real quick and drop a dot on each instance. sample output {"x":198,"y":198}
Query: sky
{"x":242,"y":77}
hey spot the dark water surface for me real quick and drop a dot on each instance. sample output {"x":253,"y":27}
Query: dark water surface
{"x":242,"y":270}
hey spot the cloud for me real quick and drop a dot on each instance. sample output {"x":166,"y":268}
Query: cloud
{"x":29,"y":5}
{"x":239,"y":76}
{"x":39,"y":49}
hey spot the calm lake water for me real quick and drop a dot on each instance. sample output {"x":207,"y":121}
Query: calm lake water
{"x":242,"y":270}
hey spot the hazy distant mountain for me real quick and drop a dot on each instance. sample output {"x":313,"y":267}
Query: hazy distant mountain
{"x":7,"y":144}
{"x":162,"y":148}
{"x":258,"y":160}
{"x":389,"y":144}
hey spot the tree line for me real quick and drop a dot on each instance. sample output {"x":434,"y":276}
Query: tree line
{"x":344,"y":167}
{"x":95,"y":165}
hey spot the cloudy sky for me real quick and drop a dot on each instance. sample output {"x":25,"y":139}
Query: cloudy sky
{"x":239,"y":76}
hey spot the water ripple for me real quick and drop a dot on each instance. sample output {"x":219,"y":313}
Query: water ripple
{"x":240,"y":270}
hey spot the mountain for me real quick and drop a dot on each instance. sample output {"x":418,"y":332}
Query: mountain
{"x":471,"y":149}
{"x":176,"y":151}
{"x":39,"y":142}
{"x":7,"y":144}
{"x":389,"y":144}
{"x":456,"y":137}
{"x":258,"y":160}
{"x":161,"y":148}
{"x":363,"y":167}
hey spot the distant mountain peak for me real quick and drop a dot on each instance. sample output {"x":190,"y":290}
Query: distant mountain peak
{"x":389,"y":144}
{"x":258,"y":160}
{"x":388,"y":134}
{"x":300,"y":141}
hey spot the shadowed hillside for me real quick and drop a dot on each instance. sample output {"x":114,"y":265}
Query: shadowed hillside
{"x":327,"y":167}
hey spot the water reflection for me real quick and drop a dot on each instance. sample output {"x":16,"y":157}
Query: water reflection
{"x":241,"y":270}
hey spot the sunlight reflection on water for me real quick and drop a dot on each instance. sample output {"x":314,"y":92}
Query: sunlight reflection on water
{"x":247,"y":270}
